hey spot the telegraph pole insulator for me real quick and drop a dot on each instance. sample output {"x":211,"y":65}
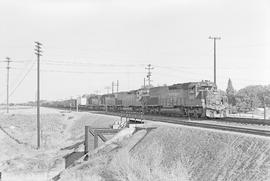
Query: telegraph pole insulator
{"x":38,"y":53}
{"x":215,"y":66}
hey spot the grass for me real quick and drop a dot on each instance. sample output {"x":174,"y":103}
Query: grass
{"x":18,"y":154}
{"x":180,"y":154}
{"x":165,"y":153}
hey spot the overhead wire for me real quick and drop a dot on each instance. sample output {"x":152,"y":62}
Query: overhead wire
{"x":72,"y":63}
{"x":23,"y":78}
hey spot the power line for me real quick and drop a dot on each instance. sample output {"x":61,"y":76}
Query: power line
{"x":20,"y":82}
{"x":21,"y":74}
{"x":77,"y":63}
{"x":88,"y":72}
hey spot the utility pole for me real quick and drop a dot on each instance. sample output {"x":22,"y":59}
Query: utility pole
{"x":108,"y":89}
{"x":117,"y":86}
{"x":215,"y":66}
{"x":149,"y":73}
{"x":38,"y":53}
{"x":112,"y":87}
{"x":8,"y":67}
{"x":144,"y":83}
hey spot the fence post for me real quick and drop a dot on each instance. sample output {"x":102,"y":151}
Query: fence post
{"x":86,"y":140}
{"x":95,"y":140}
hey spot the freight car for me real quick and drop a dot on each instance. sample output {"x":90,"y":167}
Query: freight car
{"x":63,"y":104}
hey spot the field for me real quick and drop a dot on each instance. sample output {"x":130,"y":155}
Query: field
{"x":177,"y":153}
{"x":156,"y":151}
{"x":18,"y":140}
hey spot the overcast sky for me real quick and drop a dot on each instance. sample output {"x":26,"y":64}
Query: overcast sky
{"x":87,"y":44}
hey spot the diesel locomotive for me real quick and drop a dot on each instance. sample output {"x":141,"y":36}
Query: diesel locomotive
{"x":193,"y":99}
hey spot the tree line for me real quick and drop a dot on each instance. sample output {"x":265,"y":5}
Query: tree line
{"x":248,"y":98}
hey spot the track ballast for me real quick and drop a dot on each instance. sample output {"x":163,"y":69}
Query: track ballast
{"x":192,"y":123}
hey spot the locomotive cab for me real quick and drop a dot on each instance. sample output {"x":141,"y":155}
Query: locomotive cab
{"x":216,"y":104}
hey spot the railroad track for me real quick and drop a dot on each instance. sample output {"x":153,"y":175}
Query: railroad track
{"x":222,"y":127}
{"x":227,"y":119}
{"x":150,"y":116}
{"x":191,"y":123}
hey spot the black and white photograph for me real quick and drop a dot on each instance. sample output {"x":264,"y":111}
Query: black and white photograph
{"x":134,"y":90}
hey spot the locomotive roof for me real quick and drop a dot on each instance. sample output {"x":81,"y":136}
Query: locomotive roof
{"x":185,"y":85}
{"x":190,"y":84}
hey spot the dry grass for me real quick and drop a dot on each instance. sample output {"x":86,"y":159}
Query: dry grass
{"x":18,"y":154}
{"x":177,"y":154}
{"x":165,"y":153}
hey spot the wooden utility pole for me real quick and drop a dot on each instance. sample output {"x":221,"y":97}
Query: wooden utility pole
{"x":144,"y":83}
{"x":112,"y":87}
{"x":117,"y":86}
{"x":215,"y":66}
{"x":149,"y":73}
{"x":108,"y":89}
{"x":38,"y":53}
{"x":8,"y":67}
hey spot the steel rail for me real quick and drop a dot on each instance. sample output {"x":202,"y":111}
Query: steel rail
{"x":221,"y":127}
{"x":191,"y":123}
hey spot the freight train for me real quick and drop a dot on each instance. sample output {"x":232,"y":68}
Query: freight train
{"x":192,"y":99}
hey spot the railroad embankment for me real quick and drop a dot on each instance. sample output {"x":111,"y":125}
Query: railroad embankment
{"x":177,"y":153}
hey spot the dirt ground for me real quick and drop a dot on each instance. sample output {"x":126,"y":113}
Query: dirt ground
{"x":19,"y":158}
{"x":157,"y":151}
{"x":177,"y":154}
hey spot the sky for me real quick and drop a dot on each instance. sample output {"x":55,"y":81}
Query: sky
{"x":87,"y":44}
